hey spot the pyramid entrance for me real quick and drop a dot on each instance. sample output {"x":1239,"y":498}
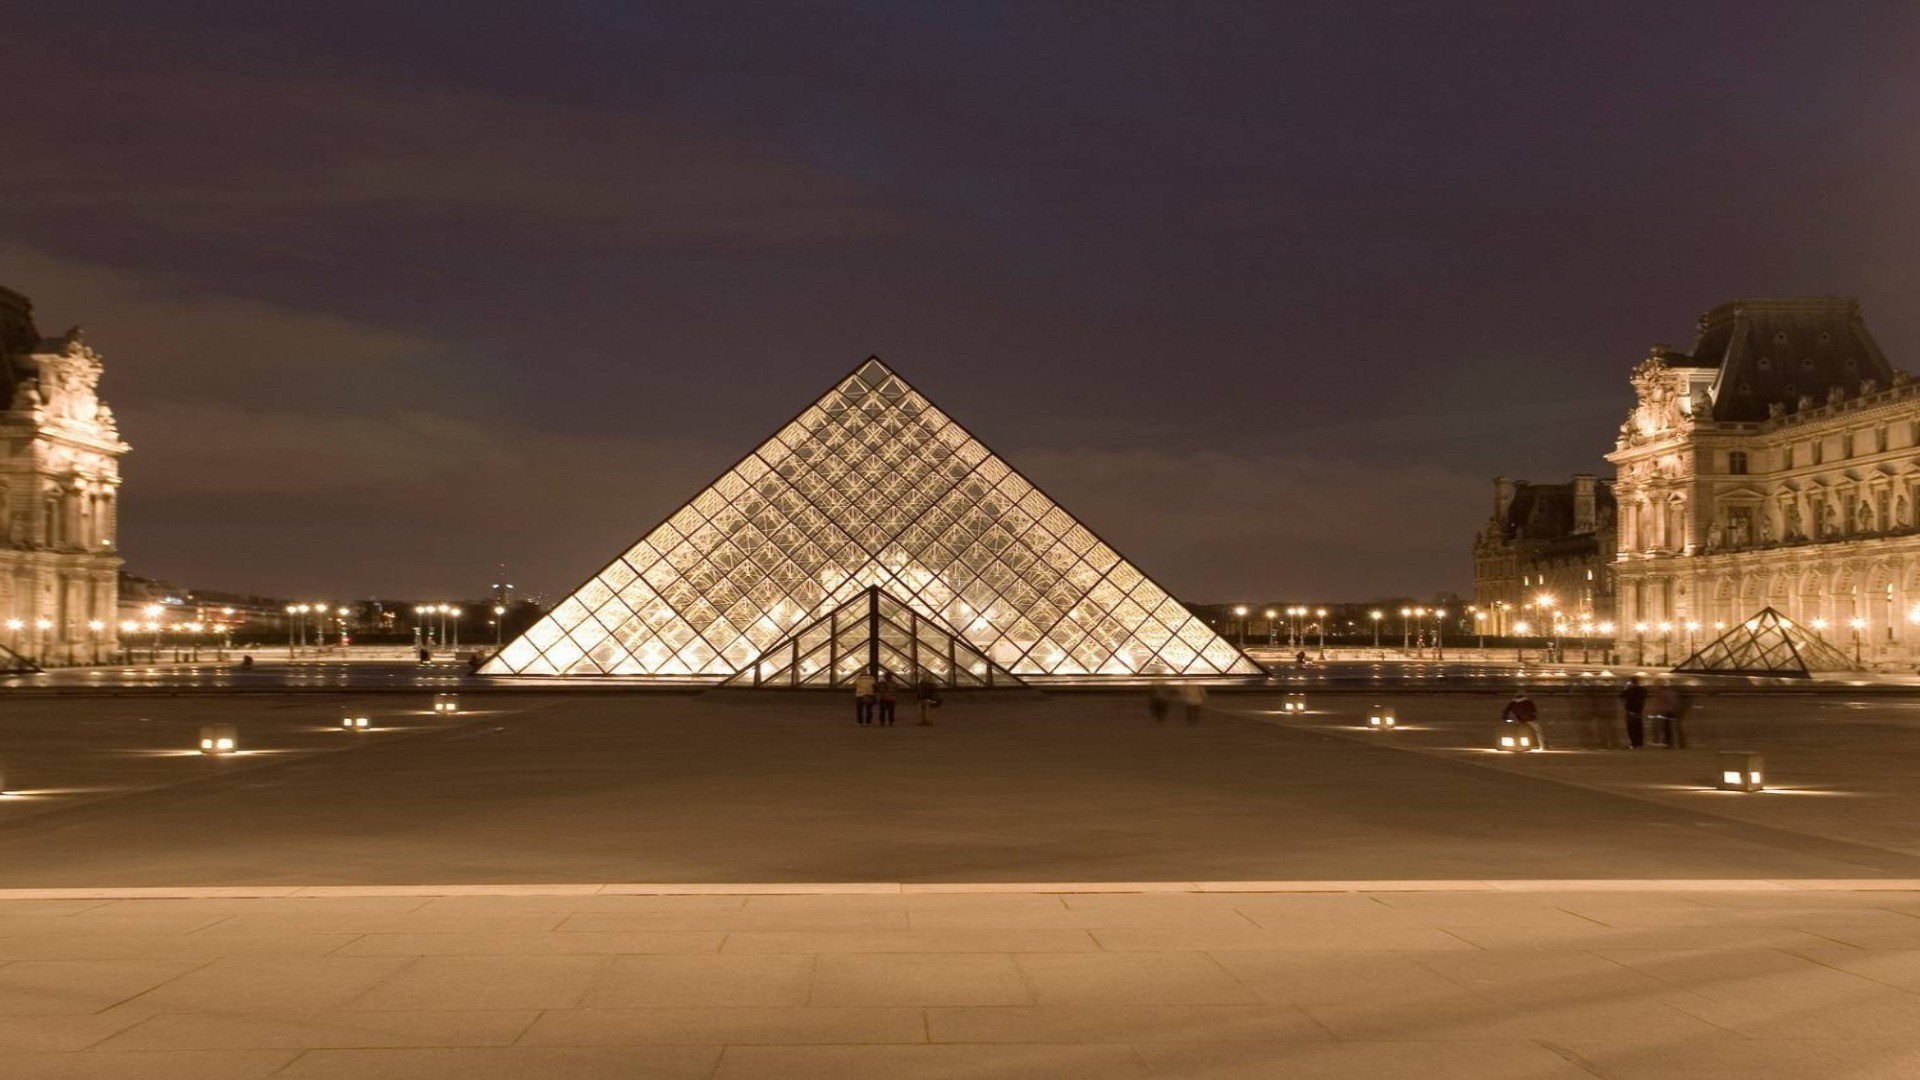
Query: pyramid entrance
{"x":870,"y":492}
{"x":874,"y":633}
{"x":1766,"y":644}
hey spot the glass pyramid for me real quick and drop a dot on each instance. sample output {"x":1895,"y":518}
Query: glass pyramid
{"x":874,"y":633}
{"x":12,"y":663}
{"x":871,"y":487}
{"x":1767,"y":644}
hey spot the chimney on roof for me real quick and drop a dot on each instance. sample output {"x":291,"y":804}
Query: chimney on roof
{"x":1502,"y":497}
{"x":1585,"y":507}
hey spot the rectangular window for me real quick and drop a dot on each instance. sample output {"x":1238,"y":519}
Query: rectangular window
{"x":1880,"y":440}
{"x":1818,"y":446}
{"x":1737,"y":462}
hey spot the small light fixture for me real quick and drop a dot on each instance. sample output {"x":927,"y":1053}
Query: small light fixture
{"x":1295,"y":703}
{"x":355,"y":723}
{"x":446,"y":704}
{"x":1382,"y":718}
{"x":1742,"y":770}
{"x":1518,"y":741}
{"x":219,"y":739}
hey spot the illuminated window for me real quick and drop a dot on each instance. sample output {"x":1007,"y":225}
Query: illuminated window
{"x":874,"y":493}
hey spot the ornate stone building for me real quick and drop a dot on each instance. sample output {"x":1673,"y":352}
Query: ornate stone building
{"x":1777,"y":464}
{"x":1546,"y":551}
{"x":59,"y":495}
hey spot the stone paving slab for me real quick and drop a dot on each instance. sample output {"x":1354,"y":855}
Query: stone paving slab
{"x":1625,"y":984}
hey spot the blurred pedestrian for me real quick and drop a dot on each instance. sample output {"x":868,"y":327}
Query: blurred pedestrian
{"x":888,"y":694}
{"x":1662,"y":703}
{"x":1600,"y":718}
{"x":1193,"y":695}
{"x":1633,"y":700}
{"x":863,"y":698}
{"x":1523,"y":712}
{"x":928,"y":696}
{"x":1159,"y":700}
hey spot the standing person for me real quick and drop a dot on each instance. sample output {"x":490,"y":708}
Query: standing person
{"x":888,"y":693}
{"x":929,"y":698}
{"x":1521,"y":710}
{"x":1600,"y":719}
{"x":863,"y":698}
{"x":1661,"y":705}
{"x":1633,"y":699}
{"x":1159,"y":700}
{"x":1193,"y":695}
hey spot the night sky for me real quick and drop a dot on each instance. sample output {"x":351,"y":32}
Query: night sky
{"x":392,"y":293}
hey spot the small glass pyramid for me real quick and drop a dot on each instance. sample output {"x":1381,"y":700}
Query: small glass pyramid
{"x":12,"y":663}
{"x":1769,"y":643}
{"x":870,"y":488}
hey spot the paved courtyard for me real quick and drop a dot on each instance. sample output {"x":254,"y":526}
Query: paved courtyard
{"x":665,"y":885}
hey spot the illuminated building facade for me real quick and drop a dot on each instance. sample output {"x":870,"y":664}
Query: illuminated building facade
{"x":870,"y":531}
{"x":1776,"y":465}
{"x":59,"y":495}
{"x":1546,"y":554}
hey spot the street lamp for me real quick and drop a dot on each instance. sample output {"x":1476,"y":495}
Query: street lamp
{"x":1666,"y":644}
{"x":1858,"y":625}
{"x":1320,"y":619}
{"x":94,"y":627}
{"x":1376,"y":615}
{"x":1406,"y":629}
{"x":500,"y":618}
{"x":1240,"y":612}
{"x":1480,"y":628}
{"x":42,"y":625}
{"x":1439,"y":634}
{"x":1520,"y":646}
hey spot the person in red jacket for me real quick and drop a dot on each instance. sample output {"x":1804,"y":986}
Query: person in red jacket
{"x":1522,"y":710}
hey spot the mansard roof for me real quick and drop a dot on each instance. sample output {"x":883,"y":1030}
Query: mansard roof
{"x":1545,"y":511}
{"x":1774,"y":351}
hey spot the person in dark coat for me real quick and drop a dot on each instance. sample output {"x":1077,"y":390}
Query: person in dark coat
{"x":888,"y":695}
{"x":1522,"y":710}
{"x":1633,"y":699}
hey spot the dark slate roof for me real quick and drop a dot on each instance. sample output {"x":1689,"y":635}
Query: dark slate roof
{"x":17,"y":339}
{"x":1774,"y":351}
{"x":1545,"y":511}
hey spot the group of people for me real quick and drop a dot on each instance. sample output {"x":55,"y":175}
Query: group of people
{"x":876,"y":698}
{"x":1161,"y":698}
{"x":1666,"y":705}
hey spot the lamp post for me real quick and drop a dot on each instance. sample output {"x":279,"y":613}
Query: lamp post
{"x":127,"y":629}
{"x":1520,"y":645}
{"x":1440,"y":634}
{"x":1320,"y":619}
{"x":1666,"y":644}
{"x":290,"y":610}
{"x":1406,"y":629}
{"x":1639,"y":643}
{"x":94,"y":627}
{"x":1240,"y":613}
{"x":500,"y":617}
{"x":1376,"y":615}
{"x":1480,"y":629}
{"x":1273,"y":634}
{"x":1693,"y":627}
{"x":1858,"y":625}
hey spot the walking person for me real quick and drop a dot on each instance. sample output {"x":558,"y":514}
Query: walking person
{"x":1159,"y":700}
{"x":1633,"y":700}
{"x":888,"y":693}
{"x":1661,"y":705}
{"x":863,"y":698}
{"x":1600,"y":719}
{"x":928,"y":696}
{"x":1193,"y":695}
{"x":1521,"y":710}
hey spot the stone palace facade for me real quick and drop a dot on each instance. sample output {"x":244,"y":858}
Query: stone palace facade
{"x":1546,"y":552}
{"x":1776,"y":464}
{"x":59,"y":495}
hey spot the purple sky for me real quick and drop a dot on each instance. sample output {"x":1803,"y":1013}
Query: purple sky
{"x":1266,"y":296}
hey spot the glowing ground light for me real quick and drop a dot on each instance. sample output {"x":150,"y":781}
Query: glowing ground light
{"x":355,"y":723}
{"x":1382,"y":718}
{"x":1295,"y":703}
{"x":1519,"y":743}
{"x":1741,"y":770}
{"x":446,"y":704}
{"x":219,"y":739}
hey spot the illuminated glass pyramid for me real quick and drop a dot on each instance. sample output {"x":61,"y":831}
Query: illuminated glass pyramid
{"x":870,"y":488}
{"x":1767,"y":644}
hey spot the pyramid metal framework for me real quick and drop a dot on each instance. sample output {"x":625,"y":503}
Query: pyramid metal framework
{"x":12,"y":663}
{"x":1766,"y":644}
{"x":876,"y":633}
{"x":870,"y":487}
